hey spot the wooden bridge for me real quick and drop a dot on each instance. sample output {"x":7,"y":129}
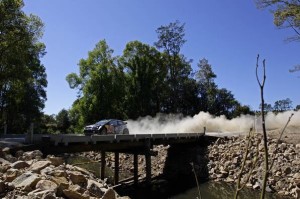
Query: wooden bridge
{"x":136,"y":144}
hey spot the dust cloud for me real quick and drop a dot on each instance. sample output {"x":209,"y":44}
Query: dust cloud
{"x":178,"y":124}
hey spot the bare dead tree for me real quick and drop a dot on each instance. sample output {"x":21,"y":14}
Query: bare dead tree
{"x":266,"y":155}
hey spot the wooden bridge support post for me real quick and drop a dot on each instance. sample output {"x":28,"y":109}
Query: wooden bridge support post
{"x":135,"y":169}
{"x":103,"y":164}
{"x":116,"y":179}
{"x":5,"y":128}
{"x":148,"y":161}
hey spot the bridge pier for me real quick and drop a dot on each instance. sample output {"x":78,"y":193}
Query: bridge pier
{"x":148,"y":161}
{"x":148,"y":168}
{"x":135,"y":169}
{"x":103,"y":164}
{"x":116,"y":178}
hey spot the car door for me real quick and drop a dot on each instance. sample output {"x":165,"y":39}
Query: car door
{"x":116,"y":127}
{"x":121,"y":126}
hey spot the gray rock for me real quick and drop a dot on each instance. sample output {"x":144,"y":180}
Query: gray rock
{"x":59,"y":173}
{"x":26,"y":181}
{"x":62,"y":184}
{"x":19,"y":165}
{"x":287,"y":170}
{"x":11,"y":174}
{"x":56,"y":161}
{"x":38,"y":166}
{"x":46,"y":185}
{"x":6,"y":150}
{"x":109,"y":194}
{"x":2,"y":186}
{"x":10,"y":158}
{"x":43,"y":194}
{"x":94,"y":187}
{"x":73,"y":192}
{"x":32,"y":155}
{"x":256,"y":185}
{"x":77,"y":177}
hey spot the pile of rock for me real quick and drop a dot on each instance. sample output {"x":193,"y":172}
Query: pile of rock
{"x":226,"y":157}
{"x":29,"y":176}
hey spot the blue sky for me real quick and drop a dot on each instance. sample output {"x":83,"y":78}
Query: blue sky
{"x":229,"y":33}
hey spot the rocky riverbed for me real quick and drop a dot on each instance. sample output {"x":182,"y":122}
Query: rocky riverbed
{"x":52,"y":178}
{"x":225,"y":157}
{"x":29,"y":176}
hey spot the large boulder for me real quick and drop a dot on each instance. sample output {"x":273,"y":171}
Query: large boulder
{"x":26,"y":181}
{"x":4,"y":162}
{"x":19,"y":165}
{"x":36,"y":154}
{"x":110,"y":194}
{"x":75,"y":192}
{"x":43,"y":194}
{"x":94,"y":187}
{"x":11,"y":174}
{"x":62,"y":184}
{"x":46,"y":185}
{"x":38,"y":166}
{"x":82,"y":170}
{"x":56,"y":161}
{"x":77,"y":177}
{"x":59,"y":173}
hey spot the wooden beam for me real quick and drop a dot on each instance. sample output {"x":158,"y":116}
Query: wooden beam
{"x":135,"y":169}
{"x":148,"y":168}
{"x":103,"y":164}
{"x":116,"y":179}
{"x":148,"y":160}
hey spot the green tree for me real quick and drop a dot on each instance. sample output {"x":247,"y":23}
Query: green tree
{"x":22,"y":76}
{"x":212,"y":99}
{"x":47,"y":125}
{"x":286,"y":14}
{"x":145,"y":79}
{"x":207,"y":87}
{"x":170,"y":40}
{"x":267,"y":107}
{"x":283,"y":105}
{"x":101,"y":86}
{"x":297,"y":108}
{"x":63,"y":121}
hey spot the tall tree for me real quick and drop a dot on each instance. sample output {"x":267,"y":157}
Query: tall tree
{"x":267,"y":107}
{"x":101,"y":85}
{"x":145,"y":79}
{"x":207,"y":87}
{"x":283,"y":105}
{"x":63,"y":121}
{"x":212,"y":99}
{"x":22,"y":76}
{"x":170,"y":40}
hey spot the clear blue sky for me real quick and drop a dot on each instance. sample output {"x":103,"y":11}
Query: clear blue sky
{"x":229,"y":33}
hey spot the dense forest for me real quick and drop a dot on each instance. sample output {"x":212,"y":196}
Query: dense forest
{"x":145,"y":80}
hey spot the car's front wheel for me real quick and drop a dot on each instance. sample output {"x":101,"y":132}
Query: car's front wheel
{"x":103,"y":131}
{"x":126,"y":131}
